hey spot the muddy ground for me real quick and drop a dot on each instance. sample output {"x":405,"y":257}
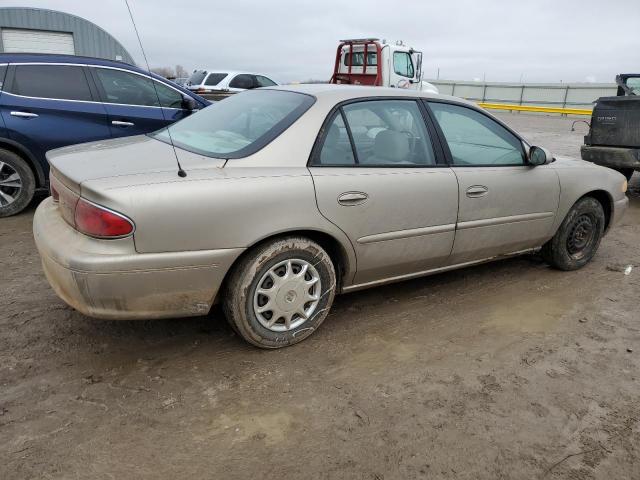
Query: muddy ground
{"x":507,"y":370}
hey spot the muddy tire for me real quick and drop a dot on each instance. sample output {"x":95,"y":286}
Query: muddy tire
{"x":577,"y":240}
{"x":17,"y":184}
{"x":280,"y":292}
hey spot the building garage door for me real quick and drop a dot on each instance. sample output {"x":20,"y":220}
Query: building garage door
{"x":37,"y":41}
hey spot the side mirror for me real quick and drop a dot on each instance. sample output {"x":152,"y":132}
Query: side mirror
{"x":189,"y":103}
{"x":539,"y":156}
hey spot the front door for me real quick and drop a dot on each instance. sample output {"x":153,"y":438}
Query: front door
{"x":506,"y":205}
{"x":379,"y":178}
{"x":131,"y":101}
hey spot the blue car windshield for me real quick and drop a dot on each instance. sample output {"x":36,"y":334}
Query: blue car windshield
{"x":239,"y":125}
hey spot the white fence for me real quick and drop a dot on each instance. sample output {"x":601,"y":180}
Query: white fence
{"x":564,"y":95}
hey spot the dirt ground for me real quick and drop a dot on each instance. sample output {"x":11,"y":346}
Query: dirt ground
{"x":507,"y":370}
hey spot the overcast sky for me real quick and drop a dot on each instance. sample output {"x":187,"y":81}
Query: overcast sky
{"x":537,"y":40}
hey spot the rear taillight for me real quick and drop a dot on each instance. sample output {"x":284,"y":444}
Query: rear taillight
{"x":97,"y":221}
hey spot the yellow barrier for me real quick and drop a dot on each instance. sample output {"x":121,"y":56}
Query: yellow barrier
{"x":531,"y":108}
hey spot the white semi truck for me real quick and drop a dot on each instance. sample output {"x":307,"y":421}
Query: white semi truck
{"x":370,"y":61}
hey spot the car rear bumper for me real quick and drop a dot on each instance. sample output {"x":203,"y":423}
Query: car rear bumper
{"x":109,"y":279}
{"x":612,"y":157}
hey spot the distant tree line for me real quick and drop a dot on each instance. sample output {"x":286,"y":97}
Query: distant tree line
{"x":171,"y":72}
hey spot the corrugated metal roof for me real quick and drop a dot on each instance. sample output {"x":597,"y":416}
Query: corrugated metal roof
{"x":89,"y":39}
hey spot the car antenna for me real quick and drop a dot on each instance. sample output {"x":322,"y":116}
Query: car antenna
{"x":181,"y":172}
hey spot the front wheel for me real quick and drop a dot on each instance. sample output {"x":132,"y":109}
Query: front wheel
{"x":281,"y":292}
{"x":577,"y":240}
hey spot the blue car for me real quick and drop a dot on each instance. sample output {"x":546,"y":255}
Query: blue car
{"x":50,"y":101}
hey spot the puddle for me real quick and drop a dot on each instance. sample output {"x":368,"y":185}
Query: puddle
{"x":530,"y":315}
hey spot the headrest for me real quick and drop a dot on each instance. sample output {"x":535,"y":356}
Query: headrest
{"x":391,"y":145}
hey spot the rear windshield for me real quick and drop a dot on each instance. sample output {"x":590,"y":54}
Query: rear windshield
{"x":358,"y":59}
{"x":239,"y":125}
{"x":634,"y":84}
{"x":197,"y":77}
{"x":215,"y":78}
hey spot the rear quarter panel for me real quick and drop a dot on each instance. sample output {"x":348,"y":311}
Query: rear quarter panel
{"x":217,"y":208}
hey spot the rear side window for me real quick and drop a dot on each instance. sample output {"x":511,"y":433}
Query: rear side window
{"x":389,"y":133}
{"x":243,"y":81}
{"x":215,"y":78}
{"x":3,"y":72}
{"x":197,"y":77}
{"x":336,"y":149}
{"x":264,"y":81}
{"x":61,"y":82}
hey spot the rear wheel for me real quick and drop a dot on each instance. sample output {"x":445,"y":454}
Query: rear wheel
{"x":281,"y":292}
{"x":577,"y":240}
{"x":17,"y":184}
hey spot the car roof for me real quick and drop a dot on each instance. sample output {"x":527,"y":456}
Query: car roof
{"x":229,"y":72}
{"x":340,"y":93}
{"x":58,"y":58}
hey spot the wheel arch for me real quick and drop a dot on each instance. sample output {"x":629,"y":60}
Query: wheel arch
{"x":27,"y":156}
{"x":605,"y":199}
{"x":343,"y":260}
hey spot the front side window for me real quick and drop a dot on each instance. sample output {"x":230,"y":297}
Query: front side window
{"x":244,"y":81}
{"x":214,"y":79}
{"x":475,"y":139}
{"x":336,"y":149}
{"x":131,"y":89}
{"x":389,"y":133}
{"x":402,"y":64}
{"x":239,"y":126}
{"x":169,"y":97}
{"x":62,"y":82}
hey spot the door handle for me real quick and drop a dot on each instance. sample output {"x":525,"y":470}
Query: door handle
{"x":475,"y":191}
{"x":119,"y":123}
{"x":352,"y":198}
{"x":24,"y":114}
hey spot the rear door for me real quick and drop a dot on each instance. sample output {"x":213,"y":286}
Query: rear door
{"x":131,"y":101}
{"x":506,"y":205}
{"x":379,"y":177}
{"x":46,"y":106}
{"x":3,"y":72}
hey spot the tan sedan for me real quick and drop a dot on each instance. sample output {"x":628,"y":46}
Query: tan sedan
{"x":274,"y":200}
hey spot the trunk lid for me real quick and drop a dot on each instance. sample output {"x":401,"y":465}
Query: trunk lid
{"x":129,"y":158}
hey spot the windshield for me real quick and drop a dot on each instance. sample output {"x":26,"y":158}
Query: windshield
{"x":197,"y":77}
{"x":239,"y":125}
